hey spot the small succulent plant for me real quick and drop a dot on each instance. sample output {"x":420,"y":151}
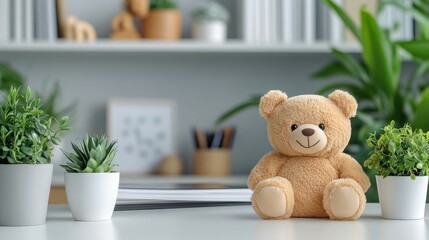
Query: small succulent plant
{"x":211,"y":11}
{"x":162,"y":4}
{"x":94,"y":155}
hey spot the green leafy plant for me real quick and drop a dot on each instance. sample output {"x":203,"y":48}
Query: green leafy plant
{"x":211,"y":11}
{"x":376,"y":79}
{"x":9,"y":76}
{"x":27,"y":134}
{"x":93,"y":155}
{"x":399,"y":151}
{"x":162,"y":4}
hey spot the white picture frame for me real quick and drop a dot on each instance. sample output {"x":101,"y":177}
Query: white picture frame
{"x":145,"y":132}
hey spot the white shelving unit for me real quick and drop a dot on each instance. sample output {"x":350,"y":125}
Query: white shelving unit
{"x":184,"y":46}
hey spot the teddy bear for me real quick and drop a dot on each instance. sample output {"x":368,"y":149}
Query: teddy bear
{"x":307,"y":174}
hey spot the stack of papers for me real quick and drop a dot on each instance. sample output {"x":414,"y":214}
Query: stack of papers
{"x":130,"y":198}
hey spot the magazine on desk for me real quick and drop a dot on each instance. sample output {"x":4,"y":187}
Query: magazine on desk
{"x":139,"y":196}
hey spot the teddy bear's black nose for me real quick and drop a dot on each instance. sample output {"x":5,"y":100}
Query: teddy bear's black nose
{"x":307,"y":132}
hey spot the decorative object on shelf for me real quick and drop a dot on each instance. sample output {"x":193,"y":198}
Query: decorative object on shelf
{"x":308,"y":175}
{"x":27,"y":137}
{"x":401,"y":158}
{"x":170,"y":166}
{"x":123,"y":24}
{"x":163,"y":22}
{"x":145,"y":129}
{"x":138,"y":8}
{"x":79,"y":31}
{"x":212,"y":156}
{"x":123,"y":27}
{"x":374,"y":78}
{"x":90,"y":180}
{"x":209,"y":23}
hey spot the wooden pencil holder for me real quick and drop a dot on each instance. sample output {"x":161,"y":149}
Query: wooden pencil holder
{"x":212,"y":162}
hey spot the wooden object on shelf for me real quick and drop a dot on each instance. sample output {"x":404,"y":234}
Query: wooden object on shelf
{"x":138,"y":8}
{"x":58,"y":195}
{"x":123,"y":27}
{"x":212,"y":162}
{"x":170,"y":166}
{"x":163,"y":24}
{"x":79,"y":31}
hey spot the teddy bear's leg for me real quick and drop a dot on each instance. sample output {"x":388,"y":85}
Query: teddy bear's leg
{"x":273,"y":198}
{"x":344,"y":199}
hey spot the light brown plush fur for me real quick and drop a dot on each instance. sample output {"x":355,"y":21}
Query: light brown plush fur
{"x":308,"y":165}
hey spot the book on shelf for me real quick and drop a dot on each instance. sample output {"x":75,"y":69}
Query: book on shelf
{"x":309,"y":21}
{"x":5,"y":7}
{"x":141,"y":196}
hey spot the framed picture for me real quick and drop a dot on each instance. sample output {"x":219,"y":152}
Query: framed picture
{"x":144,"y":130}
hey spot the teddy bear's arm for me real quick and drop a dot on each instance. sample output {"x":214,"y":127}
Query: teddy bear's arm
{"x":348,"y":167}
{"x":267,"y":167}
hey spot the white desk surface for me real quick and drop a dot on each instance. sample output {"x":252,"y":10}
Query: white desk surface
{"x":232,"y":222}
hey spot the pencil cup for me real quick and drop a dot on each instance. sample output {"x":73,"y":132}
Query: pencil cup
{"x":212,"y":162}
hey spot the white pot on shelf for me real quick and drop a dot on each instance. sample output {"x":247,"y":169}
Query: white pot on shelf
{"x":401,"y":197}
{"x":210,"y":31}
{"x":91,"y":196}
{"x":24,"y":193}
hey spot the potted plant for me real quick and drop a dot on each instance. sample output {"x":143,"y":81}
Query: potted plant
{"x":90,"y":180}
{"x":209,"y":22}
{"x":400,"y":157}
{"x":27,"y":137}
{"x":163,"y":21}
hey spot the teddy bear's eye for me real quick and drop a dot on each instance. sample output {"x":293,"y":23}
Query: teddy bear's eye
{"x":293,"y":127}
{"x":322,"y":126}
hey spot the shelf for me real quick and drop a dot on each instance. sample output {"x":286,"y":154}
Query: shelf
{"x":183,"y":46}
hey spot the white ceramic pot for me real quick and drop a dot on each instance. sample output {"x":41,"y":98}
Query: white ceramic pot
{"x":402,"y":197}
{"x":210,"y":31}
{"x":91,"y":196}
{"x":24,"y":193}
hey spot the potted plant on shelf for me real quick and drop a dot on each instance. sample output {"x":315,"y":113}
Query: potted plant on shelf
{"x":401,"y":158}
{"x":209,"y":22}
{"x":163,"y":21}
{"x":27,"y":136}
{"x":90,"y":180}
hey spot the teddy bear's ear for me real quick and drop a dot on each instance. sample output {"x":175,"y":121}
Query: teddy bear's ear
{"x":269,"y":101}
{"x":345,"y":101}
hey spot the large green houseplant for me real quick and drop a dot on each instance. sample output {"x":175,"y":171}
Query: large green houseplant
{"x":400,"y":157}
{"x":27,"y":137}
{"x":376,"y":79}
{"x":90,"y":180}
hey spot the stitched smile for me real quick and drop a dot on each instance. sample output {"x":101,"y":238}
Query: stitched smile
{"x":308,"y":145}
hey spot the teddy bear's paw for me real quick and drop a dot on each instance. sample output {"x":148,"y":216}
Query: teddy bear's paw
{"x":344,"y":199}
{"x":273,"y":199}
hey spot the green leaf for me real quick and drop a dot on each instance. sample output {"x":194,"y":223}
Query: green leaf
{"x":252,"y":102}
{"x":88,"y":170}
{"x":417,"y":48}
{"x":377,"y":55}
{"x":348,"y":22}
{"x":99,"y":169}
{"x":330,"y":70}
{"x":420,"y":119}
{"x":92,"y":163}
{"x":352,"y":65}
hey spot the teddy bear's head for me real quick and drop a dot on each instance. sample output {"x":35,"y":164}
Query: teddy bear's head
{"x":308,"y":125}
